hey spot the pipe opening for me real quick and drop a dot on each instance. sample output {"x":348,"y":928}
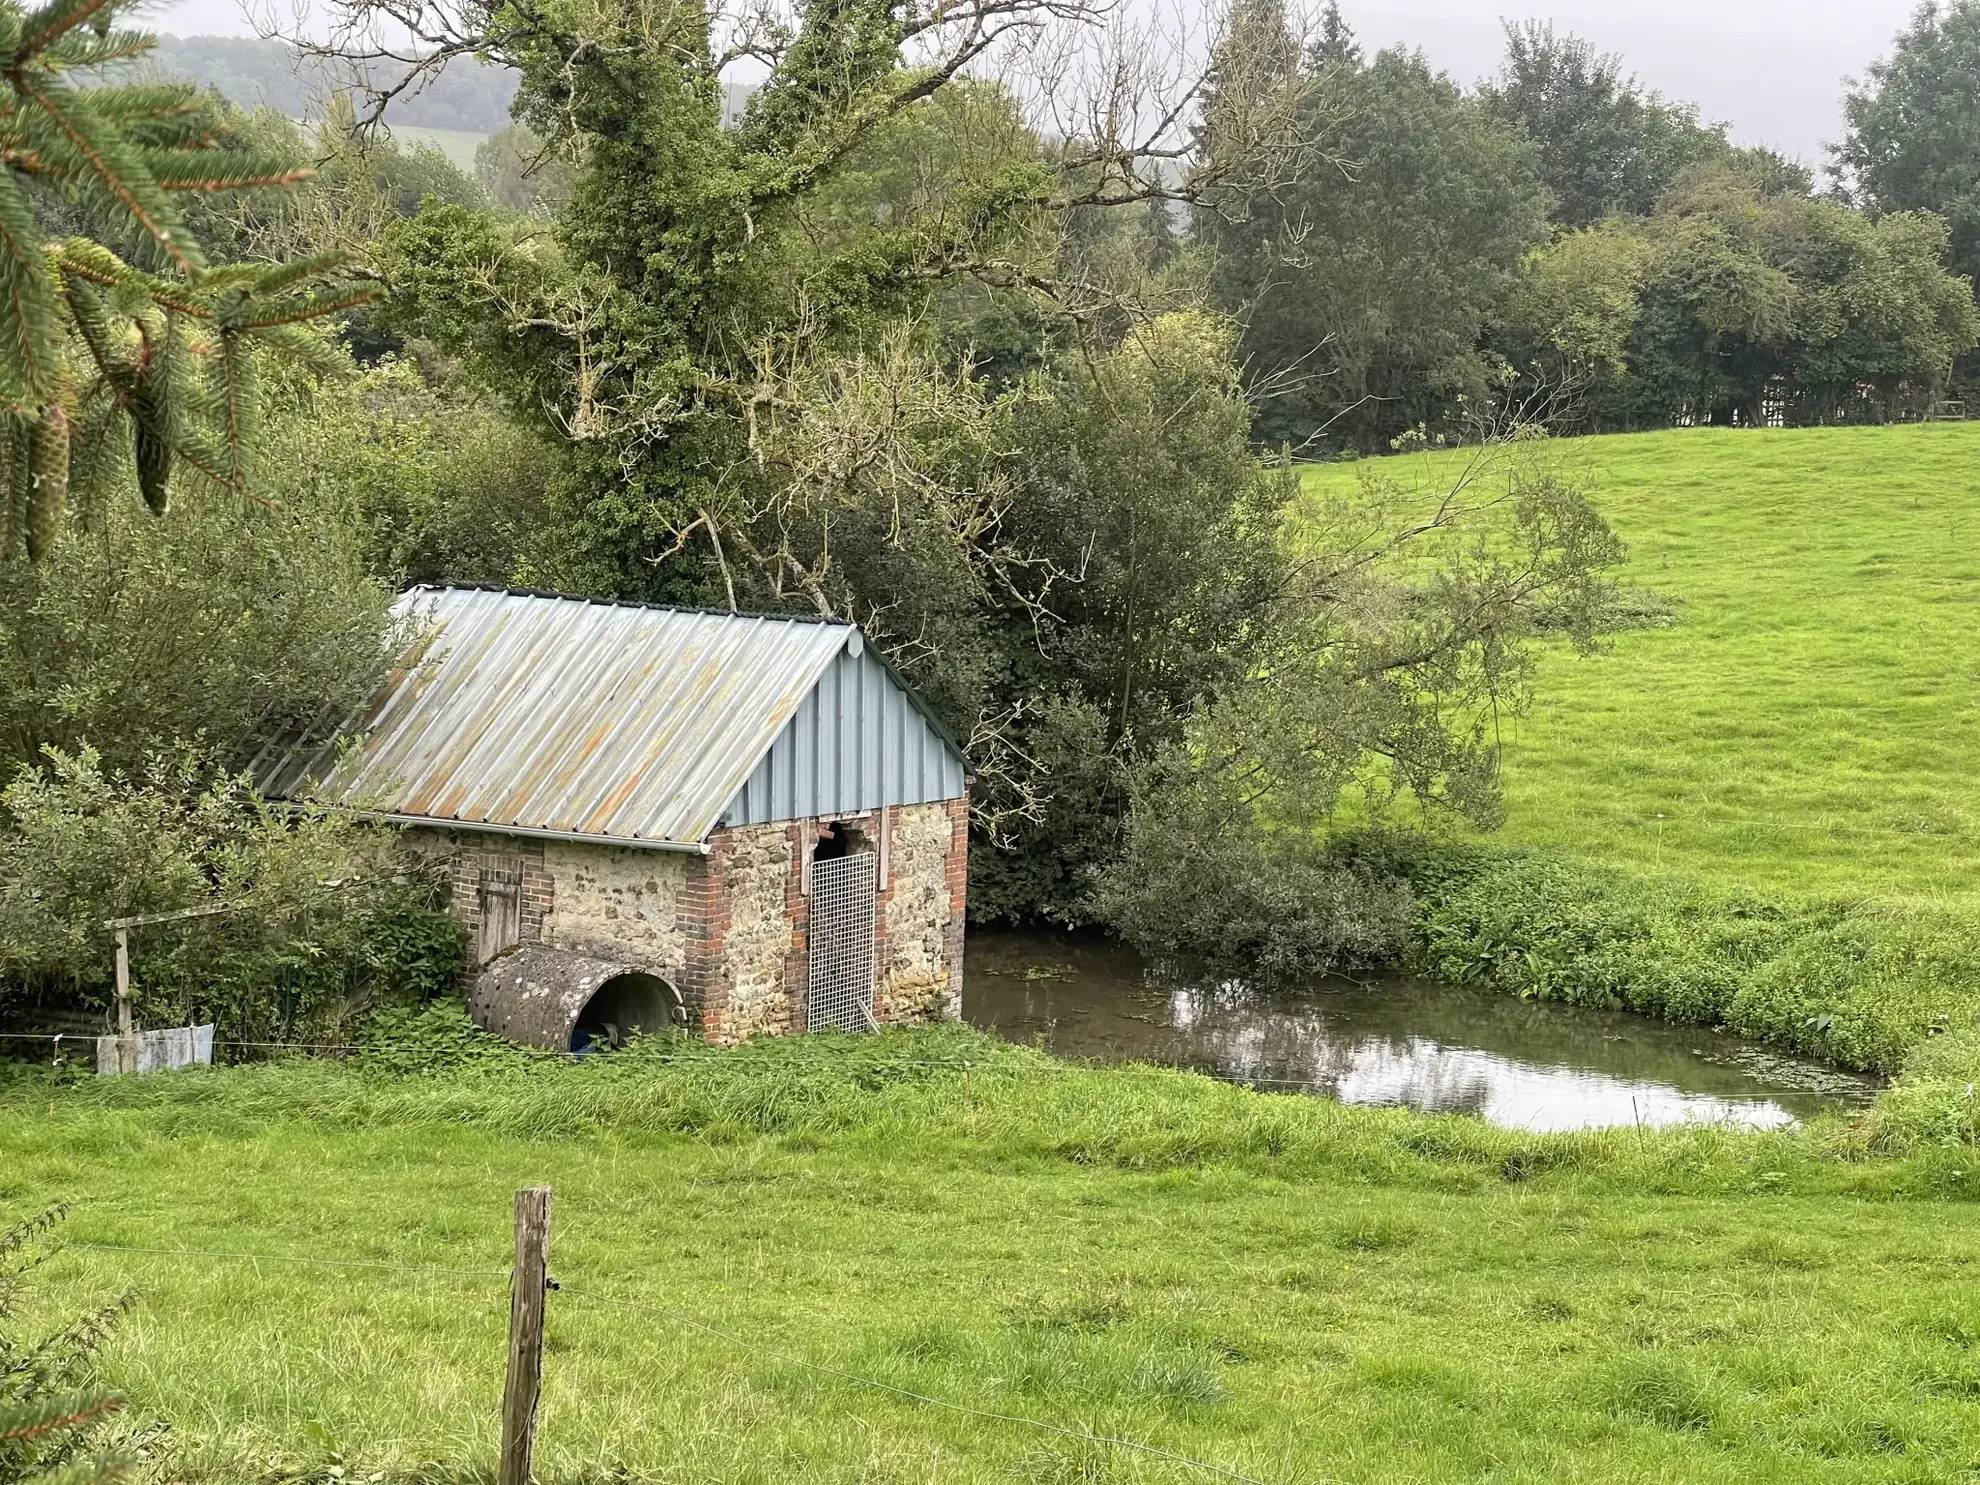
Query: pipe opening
{"x":622,"y":1006}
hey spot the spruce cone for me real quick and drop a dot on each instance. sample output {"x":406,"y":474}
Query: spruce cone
{"x":48,"y":497}
{"x":153,"y":453}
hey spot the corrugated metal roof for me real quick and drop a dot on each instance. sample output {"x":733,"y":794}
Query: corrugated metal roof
{"x":550,"y":715}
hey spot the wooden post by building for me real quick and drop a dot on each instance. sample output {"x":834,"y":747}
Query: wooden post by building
{"x":127,"y":1055}
{"x":529,"y":1283}
{"x":127,"y":1041}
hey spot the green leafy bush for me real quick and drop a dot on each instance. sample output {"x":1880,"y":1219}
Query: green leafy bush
{"x":323,"y":916}
{"x":1201,"y":885}
{"x":224,"y":621}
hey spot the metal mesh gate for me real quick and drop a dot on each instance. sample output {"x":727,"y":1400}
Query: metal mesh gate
{"x":841,"y":936}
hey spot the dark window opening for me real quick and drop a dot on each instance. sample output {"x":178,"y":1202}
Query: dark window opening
{"x":839,"y":842}
{"x":624,"y":1006}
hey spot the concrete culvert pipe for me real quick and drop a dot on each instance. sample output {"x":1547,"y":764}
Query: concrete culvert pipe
{"x":565,"y":1002}
{"x":622,"y":1006}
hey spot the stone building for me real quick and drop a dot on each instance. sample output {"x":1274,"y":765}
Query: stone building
{"x":653,"y":816}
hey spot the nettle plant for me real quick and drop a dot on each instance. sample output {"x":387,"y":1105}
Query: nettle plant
{"x":121,"y":347}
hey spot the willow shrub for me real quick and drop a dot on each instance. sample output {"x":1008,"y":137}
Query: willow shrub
{"x":322,"y":916}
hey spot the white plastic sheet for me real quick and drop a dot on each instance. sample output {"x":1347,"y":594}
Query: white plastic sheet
{"x":166,"y":1050}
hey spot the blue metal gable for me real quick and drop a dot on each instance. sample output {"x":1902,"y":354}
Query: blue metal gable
{"x":857,"y":742}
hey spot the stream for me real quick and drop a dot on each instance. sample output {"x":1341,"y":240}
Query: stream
{"x":1394,"y":1041}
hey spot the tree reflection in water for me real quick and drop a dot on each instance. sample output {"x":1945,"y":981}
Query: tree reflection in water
{"x":1393,"y":1041}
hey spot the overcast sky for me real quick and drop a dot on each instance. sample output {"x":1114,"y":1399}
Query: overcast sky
{"x":1773,"y":69}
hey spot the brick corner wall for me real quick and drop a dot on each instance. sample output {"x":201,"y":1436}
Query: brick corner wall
{"x":705,"y":923}
{"x":465,"y":854}
{"x":741,"y":932}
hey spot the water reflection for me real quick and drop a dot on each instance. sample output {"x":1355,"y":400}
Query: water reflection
{"x":1394,"y":1041}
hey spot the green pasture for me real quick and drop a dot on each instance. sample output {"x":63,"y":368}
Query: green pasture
{"x":458,"y":145}
{"x":1290,"y":1290}
{"x":1810,"y":723}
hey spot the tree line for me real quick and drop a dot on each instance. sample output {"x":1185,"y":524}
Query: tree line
{"x":1564,"y":238}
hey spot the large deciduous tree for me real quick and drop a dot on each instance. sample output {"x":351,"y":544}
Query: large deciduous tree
{"x":1912,"y":141}
{"x":1742,"y":300}
{"x":1605,"y":145}
{"x":705,"y":265}
{"x":1365,"y":285}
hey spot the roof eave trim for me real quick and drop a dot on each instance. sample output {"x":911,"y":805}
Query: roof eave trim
{"x":577,"y":837}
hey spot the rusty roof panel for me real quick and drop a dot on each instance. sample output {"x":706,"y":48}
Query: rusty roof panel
{"x":562,"y":715}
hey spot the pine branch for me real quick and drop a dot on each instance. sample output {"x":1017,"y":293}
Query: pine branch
{"x":165,"y":117}
{"x":200,"y":453}
{"x":130,"y":104}
{"x":314,"y":309}
{"x":74,"y":53}
{"x":283,"y":275}
{"x":99,"y":1470}
{"x":306,"y":349}
{"x":114,"y":165}
{"x":95,"y":263}
{"x":28,"y":336}
{"x":101,"y":437}
{"x":51,"y":23}
{"x":193,"y":170}
{"x":122,"y":153}
{"x":83,"y":1338}
{"x":236,"y":372}
{"x":20,"y":1422}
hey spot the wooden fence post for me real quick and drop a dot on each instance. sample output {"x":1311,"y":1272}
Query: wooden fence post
{"x":127,"y":1057}
{"x":528,"y":1284}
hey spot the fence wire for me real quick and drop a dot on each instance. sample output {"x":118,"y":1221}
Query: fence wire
{"x":857,"y":1065}
{"x":682,"y":1317}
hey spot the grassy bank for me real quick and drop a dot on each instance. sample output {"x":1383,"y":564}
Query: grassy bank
{"x":1287,"y":1288}
{"x":1861,"y":984}
{"x":1810,"y":723}
{"x":1760,"y":814}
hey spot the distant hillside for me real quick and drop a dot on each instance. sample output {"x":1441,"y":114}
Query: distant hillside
{"x":467,"y":97}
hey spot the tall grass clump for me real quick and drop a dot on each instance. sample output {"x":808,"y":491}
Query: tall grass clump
{"x":1935,"y":1100}
{"x":1859,"y":984}
{"x":934,"y":1094}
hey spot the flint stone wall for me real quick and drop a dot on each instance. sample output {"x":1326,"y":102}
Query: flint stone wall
{"x":921,"y":912}
{"x":729,"y":929}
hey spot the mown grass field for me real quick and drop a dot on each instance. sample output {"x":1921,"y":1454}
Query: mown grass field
{"x":1288,"y":1289}
{"x":458,"y":145}
{"x":1810,"y":725}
